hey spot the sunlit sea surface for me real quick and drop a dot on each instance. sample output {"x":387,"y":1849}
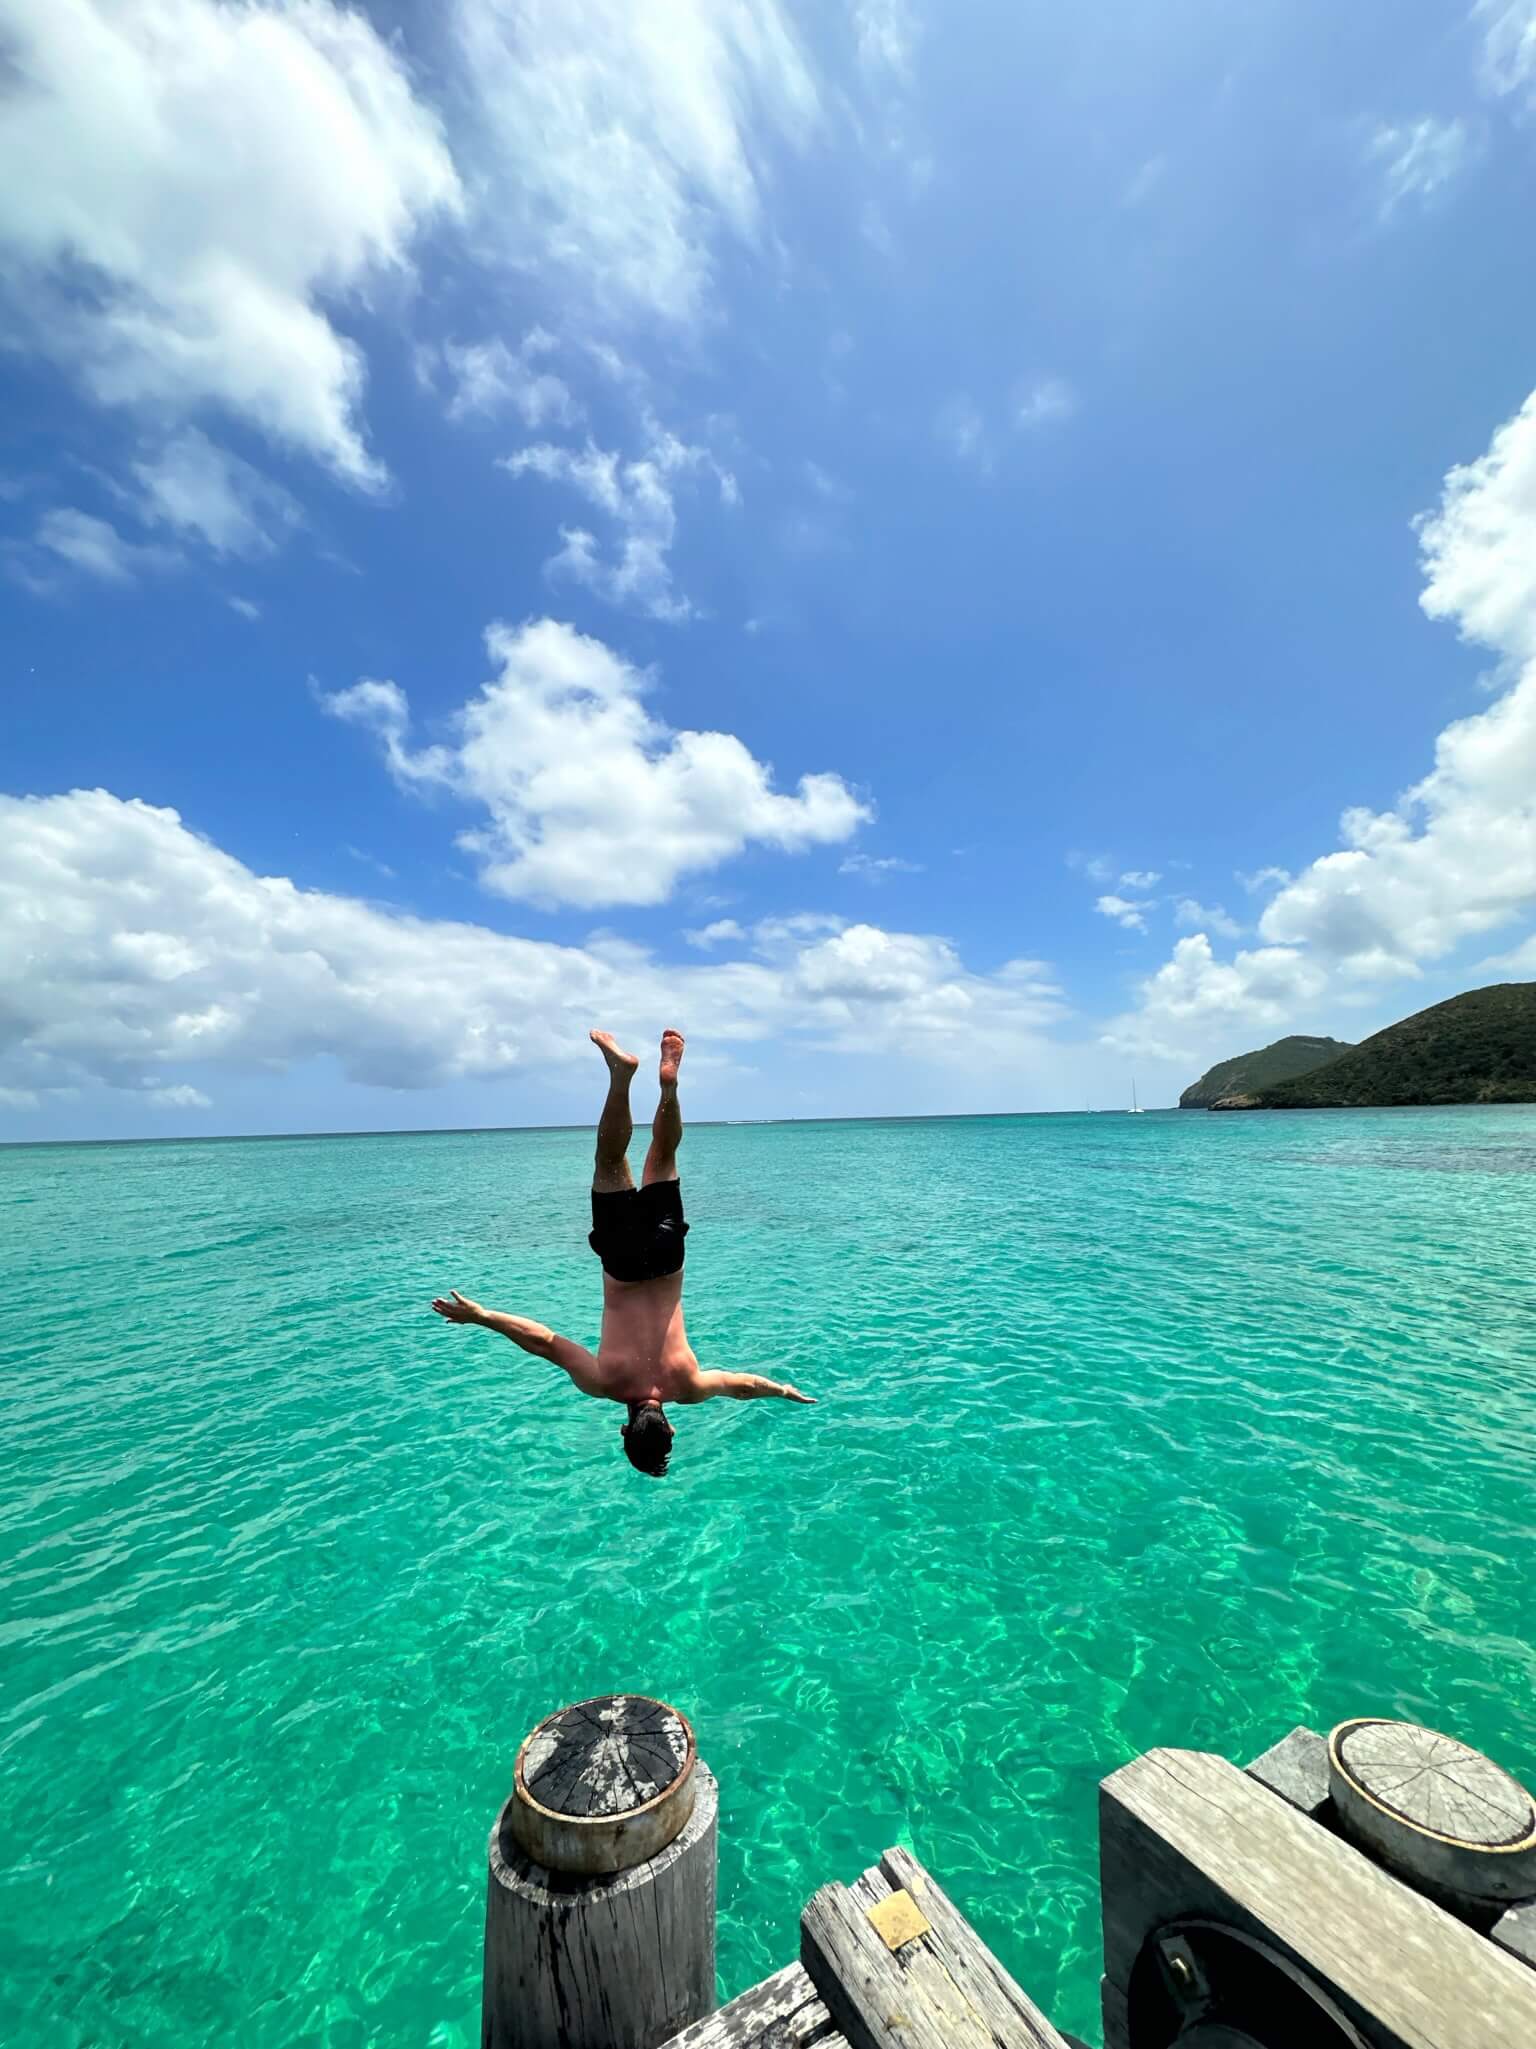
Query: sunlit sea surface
{"x":1171,"y":1429}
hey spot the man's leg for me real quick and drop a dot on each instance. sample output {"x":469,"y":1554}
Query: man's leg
{"x":667,"y":1127}
{"x":615,"y":1127}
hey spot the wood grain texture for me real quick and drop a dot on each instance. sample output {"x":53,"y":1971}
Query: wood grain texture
{"x":1515,"y":1930}
{"x":943,"y":1990}
{"x":784,"y":2012}
{"x":618,"y":1962}
{"x":1183,"y":1833}
{"x":1297,"y":1769}
{"x":605,"y":1756}
{"x":603,"y":1785}
{"x":1441,"y":1815}
{"x":1436,"y":1783}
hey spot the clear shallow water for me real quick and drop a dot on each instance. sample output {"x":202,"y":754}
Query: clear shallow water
{"x":1175,"y":1429}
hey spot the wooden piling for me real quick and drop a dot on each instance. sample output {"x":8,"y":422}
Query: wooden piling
{"x":1443,"y":1817}
{"x":600,"y":1907}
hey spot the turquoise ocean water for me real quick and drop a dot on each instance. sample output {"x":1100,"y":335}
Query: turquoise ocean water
{"x":1169,"y":1429}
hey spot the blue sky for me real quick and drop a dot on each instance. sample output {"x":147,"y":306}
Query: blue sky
{"x":961,"y":559}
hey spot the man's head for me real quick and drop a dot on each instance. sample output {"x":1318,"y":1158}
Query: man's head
{"x":647,"y":1438}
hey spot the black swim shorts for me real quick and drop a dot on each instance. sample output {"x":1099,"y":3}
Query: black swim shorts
{"x":638,"y":1232}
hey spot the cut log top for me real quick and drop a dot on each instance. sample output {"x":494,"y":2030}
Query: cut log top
{"x":1435,"y":1783}
{"x":604,"y":1757}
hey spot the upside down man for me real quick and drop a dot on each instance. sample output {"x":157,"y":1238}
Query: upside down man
{"x":643,"y":1357}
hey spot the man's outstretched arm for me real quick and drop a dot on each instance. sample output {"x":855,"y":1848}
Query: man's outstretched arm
{"x":527,"y":1335}
{"x":746,"y":1387}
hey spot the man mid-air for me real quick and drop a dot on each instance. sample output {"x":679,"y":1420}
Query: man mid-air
{"x":643,"y":1356}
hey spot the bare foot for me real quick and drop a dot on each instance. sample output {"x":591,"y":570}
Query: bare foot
{"x":619,"y":1062}
{"x":671,"y":1056}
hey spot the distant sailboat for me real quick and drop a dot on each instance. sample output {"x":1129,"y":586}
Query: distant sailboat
{"x":1135,"y":1110}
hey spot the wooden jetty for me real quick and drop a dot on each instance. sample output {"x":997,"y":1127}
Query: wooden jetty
{"x":1375,"y":1889}
{"x":885,"y":1963}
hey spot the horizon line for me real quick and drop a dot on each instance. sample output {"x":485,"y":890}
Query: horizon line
{"x":494,"y":1130}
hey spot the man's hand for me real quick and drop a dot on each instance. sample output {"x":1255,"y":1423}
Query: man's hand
{"x":746,"y":1387}
{"x":458,"y":1308}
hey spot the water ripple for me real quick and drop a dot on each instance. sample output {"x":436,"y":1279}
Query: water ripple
{"x":1175,"y":1429}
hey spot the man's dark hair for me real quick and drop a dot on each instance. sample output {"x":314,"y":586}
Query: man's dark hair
{"x":648,"y":1439}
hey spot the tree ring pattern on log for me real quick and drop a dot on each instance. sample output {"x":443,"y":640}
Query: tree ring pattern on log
{"x":1435,"y":1784}
{"x":605,"y":1757}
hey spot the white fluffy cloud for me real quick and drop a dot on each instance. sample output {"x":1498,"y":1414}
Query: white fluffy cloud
{"x":877,"y":867}
{"x":195,"y":487}
{"x":720,"y":932}
{"x":1194,"y":1001}
{"x":1133,"y":916}
{"x":185,"y":186}
{"x":138,"y":954}
{"x":1480,"y":543}
{"x":638,"y":498}
{"x":1454,"y":859}
{"x":96,"y":548}
{"x":1509,"y":45}
{"x":1198,"y":917}
{"x":624,"y":137}
{"x":189,"y":487}
{"x":589,"y":799}
{"x":179,"y":1096}
{"x":487,"y":378}
{"x":1418,"y":159}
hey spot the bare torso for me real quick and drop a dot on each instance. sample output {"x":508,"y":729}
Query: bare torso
{"x":644,"y":1353}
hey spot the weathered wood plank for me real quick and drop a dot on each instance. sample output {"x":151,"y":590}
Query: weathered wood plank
{"x":958,"y":1941}
{"x":871,"y":1886}
{"x":1297,"y":1769}
{"x":1515,"y":1930}
{"x":942,"y":1990}
{"x":783,"y":2012}
{"x":1185,"y":1833}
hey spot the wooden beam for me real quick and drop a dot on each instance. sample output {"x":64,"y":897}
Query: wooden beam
{"x":1297,"y":1769}
{"x":942,"y":1989}
{"x":1182,"y":1833}
{"x":783,"y":2012}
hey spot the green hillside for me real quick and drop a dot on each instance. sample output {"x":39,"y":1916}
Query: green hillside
{"x":1477,"y":1048}
{"x":1250,"y":1072}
